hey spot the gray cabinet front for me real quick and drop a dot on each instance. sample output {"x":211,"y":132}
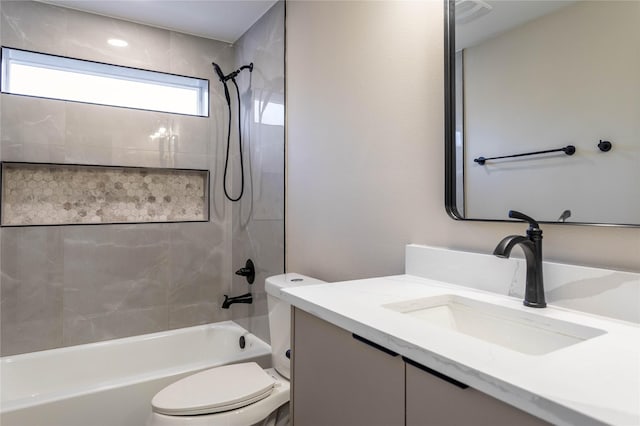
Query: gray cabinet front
{"x":339,"y":380}
{"x":433,"y":400}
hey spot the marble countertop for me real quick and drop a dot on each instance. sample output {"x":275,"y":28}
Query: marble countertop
{"x":596,"y":381}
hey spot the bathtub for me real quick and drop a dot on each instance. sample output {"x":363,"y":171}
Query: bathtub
{"x":111,"y":383}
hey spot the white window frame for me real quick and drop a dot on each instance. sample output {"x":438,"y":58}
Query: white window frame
{"x":155,"y":88}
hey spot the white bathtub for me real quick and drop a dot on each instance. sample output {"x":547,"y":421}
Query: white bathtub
{"x":111,"y":383}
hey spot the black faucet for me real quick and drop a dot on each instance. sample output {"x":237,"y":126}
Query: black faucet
{"x":249,"y":271}
{"x":532,"y":247}
{"x":243,"y":298}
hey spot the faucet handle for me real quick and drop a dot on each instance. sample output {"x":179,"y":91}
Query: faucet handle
{"x":533,"y":224}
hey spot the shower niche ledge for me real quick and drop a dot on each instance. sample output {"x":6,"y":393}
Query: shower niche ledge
{"x":41,"y":194}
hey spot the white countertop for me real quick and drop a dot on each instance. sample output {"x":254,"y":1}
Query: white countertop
{"x":592,"y":382}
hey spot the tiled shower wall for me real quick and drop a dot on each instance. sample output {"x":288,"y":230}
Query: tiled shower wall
{"x":69,"y":285}
{"x":258,"y":218}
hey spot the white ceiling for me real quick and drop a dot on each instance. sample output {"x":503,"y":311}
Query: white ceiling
{"x":224,"y":20}
{"x":504,"y":15}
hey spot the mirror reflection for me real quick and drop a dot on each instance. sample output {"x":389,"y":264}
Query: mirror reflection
{"x":556,"y":79}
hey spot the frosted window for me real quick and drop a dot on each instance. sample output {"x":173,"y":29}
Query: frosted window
{"x":56,"y":77}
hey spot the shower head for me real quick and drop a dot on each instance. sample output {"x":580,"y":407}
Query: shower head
{"x":218,"y":71}
{"x":223,"y":79}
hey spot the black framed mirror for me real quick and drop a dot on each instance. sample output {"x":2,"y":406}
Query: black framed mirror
{"x":542,"y":110}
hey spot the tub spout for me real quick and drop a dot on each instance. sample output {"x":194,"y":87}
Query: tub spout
{"x":243,"y":298}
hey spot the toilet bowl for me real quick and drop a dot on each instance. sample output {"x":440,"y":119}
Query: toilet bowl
{"x":238,"y":394}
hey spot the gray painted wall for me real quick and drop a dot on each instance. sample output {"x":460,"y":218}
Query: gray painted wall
{"x":365,"y":148}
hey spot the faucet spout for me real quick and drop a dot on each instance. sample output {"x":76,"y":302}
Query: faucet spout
{"x":532,"y":248}
{"x":243,"y":298}
{"x":504,"y":247}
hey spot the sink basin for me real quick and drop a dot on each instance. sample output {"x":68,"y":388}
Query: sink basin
{"x":526,"y":332}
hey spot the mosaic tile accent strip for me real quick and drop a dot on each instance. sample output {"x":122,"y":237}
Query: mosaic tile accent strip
{"x":57,"y":194}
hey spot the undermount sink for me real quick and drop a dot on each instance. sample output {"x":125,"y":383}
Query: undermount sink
{"x":526,"y":332}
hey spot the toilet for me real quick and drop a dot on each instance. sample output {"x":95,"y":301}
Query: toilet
{"x":238,"y":394}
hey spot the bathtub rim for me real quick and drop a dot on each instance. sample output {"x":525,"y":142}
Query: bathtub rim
{"x":262,"y":349}
{"x":147,"y":336}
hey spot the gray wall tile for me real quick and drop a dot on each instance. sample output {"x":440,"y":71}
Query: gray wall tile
{"x":193,"y":55}
{"x":114,"y":268}
{"x":108,"y":281}
{"x":33,"y":26}
{"x":32,"y":128}
{"x":197,"y":313}
{"x":87,"y":36}
{"x":111,"y":325}
{"x":253,"y":236}
{"x":72,"y":285}
{"x":31,"y":286}
{"x":112,"y":128}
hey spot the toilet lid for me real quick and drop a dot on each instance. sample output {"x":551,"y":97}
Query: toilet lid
{"x":215,"y":390}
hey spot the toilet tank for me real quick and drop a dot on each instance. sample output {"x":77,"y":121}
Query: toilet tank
{"x":280,"y":317}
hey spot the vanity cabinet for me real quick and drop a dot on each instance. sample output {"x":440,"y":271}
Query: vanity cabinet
{"x":433,"y":400}
{"x":342,"y":379}
{"x":339,"y":380}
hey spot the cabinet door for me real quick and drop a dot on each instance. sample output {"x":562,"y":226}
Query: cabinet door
{"x":339,"y":380}
{"x":433,"y":400}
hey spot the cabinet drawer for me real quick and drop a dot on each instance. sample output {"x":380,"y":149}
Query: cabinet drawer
{"x":433,"y":400}
{"x":342,"y":380}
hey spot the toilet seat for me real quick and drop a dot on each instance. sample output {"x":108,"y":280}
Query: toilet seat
{"x":241,"y":385}
{"x":247,"y":415}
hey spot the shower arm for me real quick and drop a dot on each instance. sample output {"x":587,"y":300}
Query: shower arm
{"x":232,"y":75}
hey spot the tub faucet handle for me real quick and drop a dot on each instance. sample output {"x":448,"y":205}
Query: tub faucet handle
{"x":249,"y":271}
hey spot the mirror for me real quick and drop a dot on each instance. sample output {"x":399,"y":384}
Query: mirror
{"x":553,"y":88}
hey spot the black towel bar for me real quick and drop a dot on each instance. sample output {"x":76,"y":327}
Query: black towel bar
{"x":569,"y":150}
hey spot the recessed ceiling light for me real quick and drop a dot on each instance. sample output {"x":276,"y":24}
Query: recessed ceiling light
{"x":117,"y":42}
